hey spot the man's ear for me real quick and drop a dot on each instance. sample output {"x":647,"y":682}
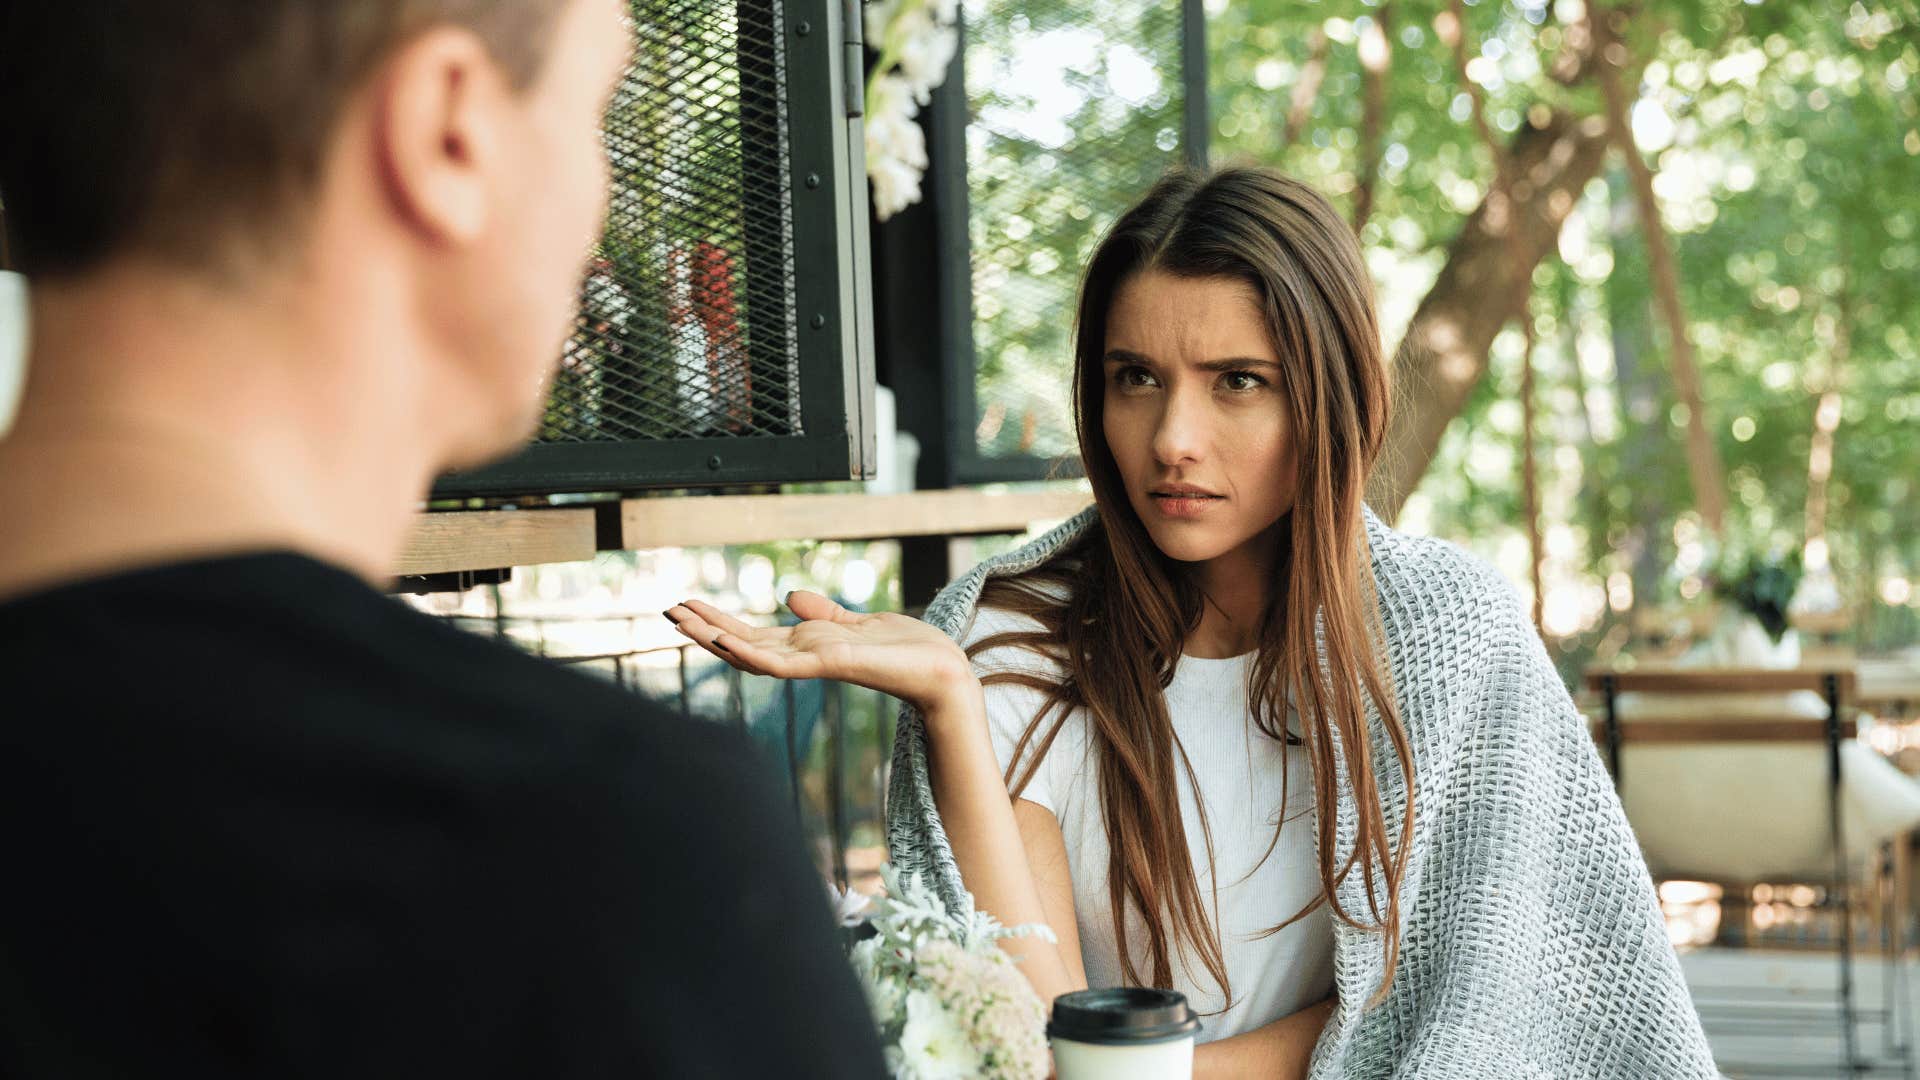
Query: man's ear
{"x":439,"y":110}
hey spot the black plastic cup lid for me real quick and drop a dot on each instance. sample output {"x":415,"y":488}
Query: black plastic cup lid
{"x":1122,"y":1016}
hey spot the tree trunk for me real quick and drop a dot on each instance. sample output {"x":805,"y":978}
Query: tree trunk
{"x":1483,"y":285}
{"x":1703,"y":457}
{"x":1376,"y":58}
{"x":1638,"y":390}
{"x":1826,"y":420}
{"x":1300,"y":104}
{"x":1530,"y":479}
{"x":1576,"y":375}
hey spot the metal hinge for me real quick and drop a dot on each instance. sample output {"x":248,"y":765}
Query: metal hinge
{"x":854,"y":62}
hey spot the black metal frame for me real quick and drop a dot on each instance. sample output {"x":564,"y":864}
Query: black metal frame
{"x":833,"y":306}
{"x":1759,"y":1007}
{"x":937,"y":388}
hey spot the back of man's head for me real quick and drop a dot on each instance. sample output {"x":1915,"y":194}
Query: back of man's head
{"x":190,"y":129}
{"x":371,"y":200}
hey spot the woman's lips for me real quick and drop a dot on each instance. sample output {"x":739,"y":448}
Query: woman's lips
{"x":1185,"y":505}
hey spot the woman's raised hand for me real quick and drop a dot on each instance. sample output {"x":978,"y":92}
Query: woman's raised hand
{"x":891,"y":653}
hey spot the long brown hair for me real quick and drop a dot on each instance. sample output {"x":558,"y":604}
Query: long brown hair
{"x":1116,"y":611}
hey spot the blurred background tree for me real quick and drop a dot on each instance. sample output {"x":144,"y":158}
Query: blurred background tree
{"x":1525,"y":301}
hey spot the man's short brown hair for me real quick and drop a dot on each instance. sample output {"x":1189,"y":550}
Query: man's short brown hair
{"x":163,"y":126}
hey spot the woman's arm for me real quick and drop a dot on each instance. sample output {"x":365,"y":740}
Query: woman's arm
{"x":918,"y":664}
{"x":1279,"y":1051}
{"x":1010,"y":852}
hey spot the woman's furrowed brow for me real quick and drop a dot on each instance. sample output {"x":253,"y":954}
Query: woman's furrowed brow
{"x":1232,"y":363}
{"x":1236,"y":363}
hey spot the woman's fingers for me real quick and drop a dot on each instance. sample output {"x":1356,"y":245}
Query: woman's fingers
{"x":780,"y":662}
{"x":768,"y":651}
{"x":701,"y":632}
{"x":812,"y":605}
{"x":713,"y":616}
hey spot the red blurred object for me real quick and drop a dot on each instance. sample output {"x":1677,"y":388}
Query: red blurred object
{"x":709,"y":300}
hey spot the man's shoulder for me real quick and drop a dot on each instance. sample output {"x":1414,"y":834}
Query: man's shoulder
{"x":295,"y":648}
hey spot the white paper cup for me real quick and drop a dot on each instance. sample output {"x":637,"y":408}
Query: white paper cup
{"x":1123,"y":1033}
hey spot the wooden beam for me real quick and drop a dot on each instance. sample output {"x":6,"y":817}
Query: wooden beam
{"x":752,"y":519}
{"x":1721,"y":680}
{"x":494,"y":539}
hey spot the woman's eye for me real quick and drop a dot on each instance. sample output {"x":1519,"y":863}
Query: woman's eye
{"x":1243,"y":380}
{"x":1134,"y":377}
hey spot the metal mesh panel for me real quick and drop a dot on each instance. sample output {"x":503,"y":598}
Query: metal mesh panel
{"x":1075,"y":109}
{"x":687,"y":326}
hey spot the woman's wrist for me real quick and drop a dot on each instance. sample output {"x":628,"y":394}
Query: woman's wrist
{"x":956,"y":712}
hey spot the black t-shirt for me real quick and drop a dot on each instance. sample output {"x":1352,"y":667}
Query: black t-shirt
{"x":260,"y":820}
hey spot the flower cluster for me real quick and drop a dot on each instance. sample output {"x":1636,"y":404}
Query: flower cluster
{"x":949,"y":1002}
{"x":916,"y":40}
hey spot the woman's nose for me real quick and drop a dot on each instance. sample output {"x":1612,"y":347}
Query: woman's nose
{"x":1180,"y":435}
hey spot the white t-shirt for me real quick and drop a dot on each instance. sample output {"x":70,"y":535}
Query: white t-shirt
{"x":1240,"y":772}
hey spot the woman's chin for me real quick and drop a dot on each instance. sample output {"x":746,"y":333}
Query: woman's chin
{"x":1188,"y":543}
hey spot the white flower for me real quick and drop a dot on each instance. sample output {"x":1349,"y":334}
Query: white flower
{"x":934,"y":1046}
{"x":848,"y":907}
{"x":879,"y":17}
{"x":885,"y":995}
{"x":926,"y":48}
{"x":896,"y":147}
{"x":917,"y":40}
{"x":890,"y":128}
{"x":895,"y":187}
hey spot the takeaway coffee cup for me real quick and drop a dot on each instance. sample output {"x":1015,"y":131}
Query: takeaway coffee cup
{"x":1123,"y":1033}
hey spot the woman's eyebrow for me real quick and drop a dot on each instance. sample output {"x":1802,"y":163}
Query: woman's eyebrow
{"x":1232,"y":363}
{"x":1236,"y":363}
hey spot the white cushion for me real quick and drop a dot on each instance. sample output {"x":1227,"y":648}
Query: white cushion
{"x":1758,"y":811}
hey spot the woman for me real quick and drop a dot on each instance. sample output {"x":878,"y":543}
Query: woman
{"x":1261,"y":749}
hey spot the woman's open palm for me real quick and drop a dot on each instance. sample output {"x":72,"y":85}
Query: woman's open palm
{"x":891,"y":653}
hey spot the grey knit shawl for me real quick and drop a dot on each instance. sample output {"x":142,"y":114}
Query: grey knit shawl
{"x":1531,"y":941}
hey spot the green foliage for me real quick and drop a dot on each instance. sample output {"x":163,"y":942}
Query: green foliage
{"x":1787,"y":170}
{"x":1763,"y":588}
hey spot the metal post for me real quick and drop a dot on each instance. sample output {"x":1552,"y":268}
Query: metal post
{"x":835,"y":707}
{"x":793,"y":753}
{"x":736,"y":700}
{"x":1193,"y":79}
{"x":686,"y":688}
{"x":1831,"y":684}
{"x":1893,"y":1040}
{"x":1610,"y":686}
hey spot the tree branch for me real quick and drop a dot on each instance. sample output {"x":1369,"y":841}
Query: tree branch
{"x":1826,"y":414}
{"x":1300,"y":106}
{"x":1484,"y":284}
{"x":1376,"y":59}
{"x":1451,"y":26}
{"x":1703,"y":457}
{"x":1503,"y":217}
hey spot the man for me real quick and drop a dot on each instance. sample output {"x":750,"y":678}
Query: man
{"x":291,"y":259}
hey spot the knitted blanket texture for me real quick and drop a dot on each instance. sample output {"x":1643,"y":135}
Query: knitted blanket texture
{"x":1531,"y":939}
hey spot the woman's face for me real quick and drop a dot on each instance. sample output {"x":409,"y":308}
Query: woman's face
{"x":1193,"y":414}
